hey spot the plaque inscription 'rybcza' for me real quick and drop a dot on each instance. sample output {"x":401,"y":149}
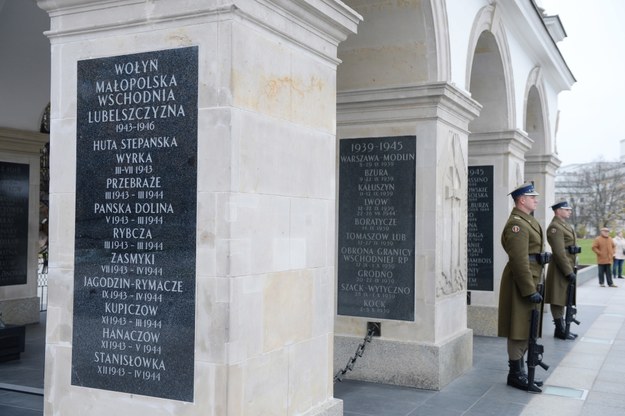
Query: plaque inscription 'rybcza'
{"x":136,"y":181}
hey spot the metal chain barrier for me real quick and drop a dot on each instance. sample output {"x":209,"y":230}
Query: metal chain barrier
{"x":359,"y":351}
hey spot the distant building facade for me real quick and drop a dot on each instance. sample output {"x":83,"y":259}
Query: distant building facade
{"x":597,"y":194}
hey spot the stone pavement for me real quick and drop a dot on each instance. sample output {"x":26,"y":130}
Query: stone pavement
{"x":586,"y":376}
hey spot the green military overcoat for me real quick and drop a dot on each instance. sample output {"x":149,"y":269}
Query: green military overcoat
{"x":521,"y":236}
{"x":560,"y":235}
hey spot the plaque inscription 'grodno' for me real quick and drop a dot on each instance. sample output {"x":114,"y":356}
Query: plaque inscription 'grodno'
{"x":376,"y":241}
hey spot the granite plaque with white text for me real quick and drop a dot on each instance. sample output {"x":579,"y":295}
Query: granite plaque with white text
{"x":376,"y":235}
{"x":136,"y":181}
{"x":480,"y":271}
{"x":13,"y":223}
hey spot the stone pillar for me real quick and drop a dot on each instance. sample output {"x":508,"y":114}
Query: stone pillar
{"x":434,"y":347}
{"x":264,"y":269}
{"x":505,"y":151}
{"x":542,"y":169}
{"x":19,"y":303}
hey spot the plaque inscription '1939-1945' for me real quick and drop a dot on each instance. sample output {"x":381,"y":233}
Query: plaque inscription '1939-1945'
{"x":136,"y":181}
{"x":376,"y":241}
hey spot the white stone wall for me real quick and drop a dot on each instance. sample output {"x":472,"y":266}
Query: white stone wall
{"x":266,"y":197}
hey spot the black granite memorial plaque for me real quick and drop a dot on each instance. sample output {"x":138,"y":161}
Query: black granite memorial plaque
{"x":136,"y":181}
{"x":13,"y":223}
{"x":376,"y":241}
{"x":480,"y":229}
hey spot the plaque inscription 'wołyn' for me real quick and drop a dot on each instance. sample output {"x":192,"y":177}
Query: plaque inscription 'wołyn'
{"x":376,"y":241}
{"x":136,"y":181}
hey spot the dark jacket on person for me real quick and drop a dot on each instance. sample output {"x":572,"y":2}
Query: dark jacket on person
{"x":521,"y":236}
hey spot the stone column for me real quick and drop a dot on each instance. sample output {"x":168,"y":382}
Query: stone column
{"x":542,"y":169}
{"x":20,"y":150}
{"x":266,"y":95}
{"x":432,"y":346}
{"x":505,"y":151}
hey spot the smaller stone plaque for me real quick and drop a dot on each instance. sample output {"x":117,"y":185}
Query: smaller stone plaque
{"x":14,"y":178}
{"x":480,"y":229}
{"x":376,"y":241}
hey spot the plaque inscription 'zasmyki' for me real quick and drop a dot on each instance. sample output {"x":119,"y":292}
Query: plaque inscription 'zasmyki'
{"x":136,"y":181}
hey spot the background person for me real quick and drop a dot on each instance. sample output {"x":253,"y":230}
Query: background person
{"x":561,"y":272}
{"x":603,"y":246}
{"x":619,"y":255}
{"x":522,"y":238}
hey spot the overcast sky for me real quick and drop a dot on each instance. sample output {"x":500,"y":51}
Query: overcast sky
{"x":592,"y":113}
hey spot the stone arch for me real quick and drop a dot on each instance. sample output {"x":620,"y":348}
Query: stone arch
{"x":440,"y":38}
{"x":535,"y":114}
{"x":489,"y":73}
{"x":494,"y":140}
{"x":398,"y":43}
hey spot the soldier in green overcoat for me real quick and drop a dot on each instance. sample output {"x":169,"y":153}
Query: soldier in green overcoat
{"x":561,"y":271}
{"x":522,"y":239}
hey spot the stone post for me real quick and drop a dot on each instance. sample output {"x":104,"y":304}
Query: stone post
{"x":543,"y":170}
{"x":428,"y":344}
{"x":505,"y":151}
{"x":259,"y":281}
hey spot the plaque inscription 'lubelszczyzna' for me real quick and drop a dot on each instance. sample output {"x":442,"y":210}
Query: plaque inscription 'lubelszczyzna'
{"x":136,"y":180}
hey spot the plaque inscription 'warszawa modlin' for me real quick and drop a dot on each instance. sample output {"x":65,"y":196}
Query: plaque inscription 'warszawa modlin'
{"x":376,"y":241}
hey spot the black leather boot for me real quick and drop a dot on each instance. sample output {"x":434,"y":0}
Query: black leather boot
{"x":518,"y":378}
{"x":560,"y":331}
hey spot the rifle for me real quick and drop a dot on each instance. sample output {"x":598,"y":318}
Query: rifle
{"x":571,"y":310}
{"x":534,"y":353}
{"x":534,"y":349}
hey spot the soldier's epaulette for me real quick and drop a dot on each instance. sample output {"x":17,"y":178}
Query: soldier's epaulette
{"x":516,"y":217}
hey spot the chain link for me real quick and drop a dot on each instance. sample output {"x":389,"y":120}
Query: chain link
{"x":359,"y":352}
